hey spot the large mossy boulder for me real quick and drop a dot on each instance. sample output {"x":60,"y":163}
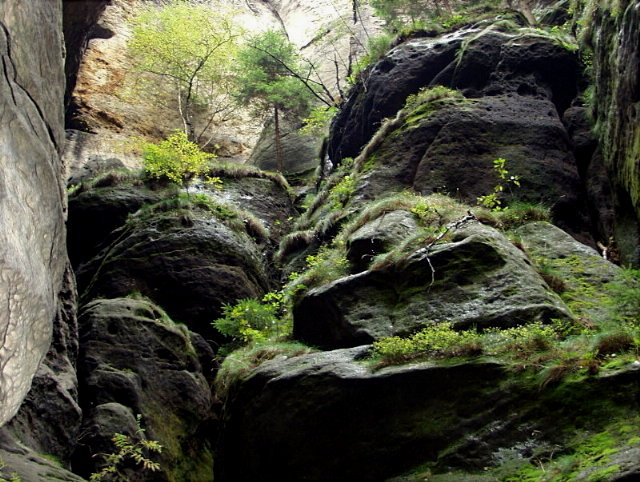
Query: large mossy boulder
{"x":581,"y":273}
{"x":478,"y":278}
{"x":135,"y":361}
{"x":327,"y":417}
{"x":478,"y":62}
{"x":331,"y":416}
{"x":449,"y":146}
{"x":190,"y":263}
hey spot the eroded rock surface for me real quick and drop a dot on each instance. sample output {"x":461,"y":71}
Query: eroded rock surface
{"x":188,"y":265}
{"x":477,"y":62}
{"x":478,"y":279}
{"x":135,"y":360}
{"x":353,"y":422}
{"x":32,"y":247}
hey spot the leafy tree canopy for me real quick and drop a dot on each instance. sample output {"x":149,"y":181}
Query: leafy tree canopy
{"x":270,"y":74}
{"x":187,"y":49}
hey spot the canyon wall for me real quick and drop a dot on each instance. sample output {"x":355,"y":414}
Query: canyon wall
{"x":616,"y":110}
{"x":32,"y":233}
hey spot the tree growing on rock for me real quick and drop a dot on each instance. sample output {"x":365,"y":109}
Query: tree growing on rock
{"x":186,"y":49}
{"x":270,"y":76}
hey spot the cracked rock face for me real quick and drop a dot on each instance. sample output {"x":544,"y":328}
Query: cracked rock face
{"x":32,"y":246}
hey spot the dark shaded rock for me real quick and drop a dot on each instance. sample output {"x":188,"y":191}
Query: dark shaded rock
{"x":135,"y":360}
{"x":480,"y":63}
{"x":478,"y":279}
{"x":450,"y":149}
{"x":616,"y":109}
{"x":351,"y":424}
{"x":95,"y":213}
{"x":28,"y":466}
{"x":593,"y":172}
{"x":263,"y":197}
{"x":338,"y":419}
{"x":379,"y":236}
{"x":190,"y":264}
{"x":32,"y":232}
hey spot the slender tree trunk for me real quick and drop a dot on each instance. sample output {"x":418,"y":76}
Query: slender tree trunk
{"x":278,"y":145}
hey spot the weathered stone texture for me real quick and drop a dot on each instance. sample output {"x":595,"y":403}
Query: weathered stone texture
{"x":32,"y":248}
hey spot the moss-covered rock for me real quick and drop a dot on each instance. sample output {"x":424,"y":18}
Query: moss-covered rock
{"x":478,"y":278}
{"x":335,"y":418}
{"x":380,"y":235}
{"x":135,"y":360}
{"x":190,"y":263}
{"x":581,"y":271}
{"x":95,"y":213}
{"x":613,"y":34}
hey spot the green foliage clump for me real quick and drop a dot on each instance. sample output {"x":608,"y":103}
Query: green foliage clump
{"x":521,"y":341}
{"x":268,"y":73}
{"x":176,"y":159}
{"x":439,"y":340}
{"x":428,"y":99}
{"x":342,"y":192}
{"x":377,"y":47}
{"x":328,"y":264}
{"x":253,"y":321}
{"x":136,"y":449}
{"x":318,"y":120}
{"x":519,"y":212}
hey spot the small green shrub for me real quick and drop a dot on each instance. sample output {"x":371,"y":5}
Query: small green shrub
{"x":251,"y":320}
{"x":494,"y":200}
{"x":134,"y":449}
{"x":176,"y":159}
{"x":519,"y":213}
{"x":341,"y":193}
{"x":521,"y":341}
{"x":318,"y":120}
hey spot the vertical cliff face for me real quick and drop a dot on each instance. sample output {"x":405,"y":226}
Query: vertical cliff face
{"x":614,"y":36}
{"x":32,"y":199}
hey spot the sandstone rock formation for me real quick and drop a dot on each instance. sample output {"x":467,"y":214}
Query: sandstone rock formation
{"x":135,"y":361}
{"x":614,"y":36}
{"x":349,"y":421}
{"x":478,"y":279}
{"x":32,"y":233}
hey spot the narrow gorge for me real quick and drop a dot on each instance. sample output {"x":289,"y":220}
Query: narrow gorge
{"x":434,"y":276}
